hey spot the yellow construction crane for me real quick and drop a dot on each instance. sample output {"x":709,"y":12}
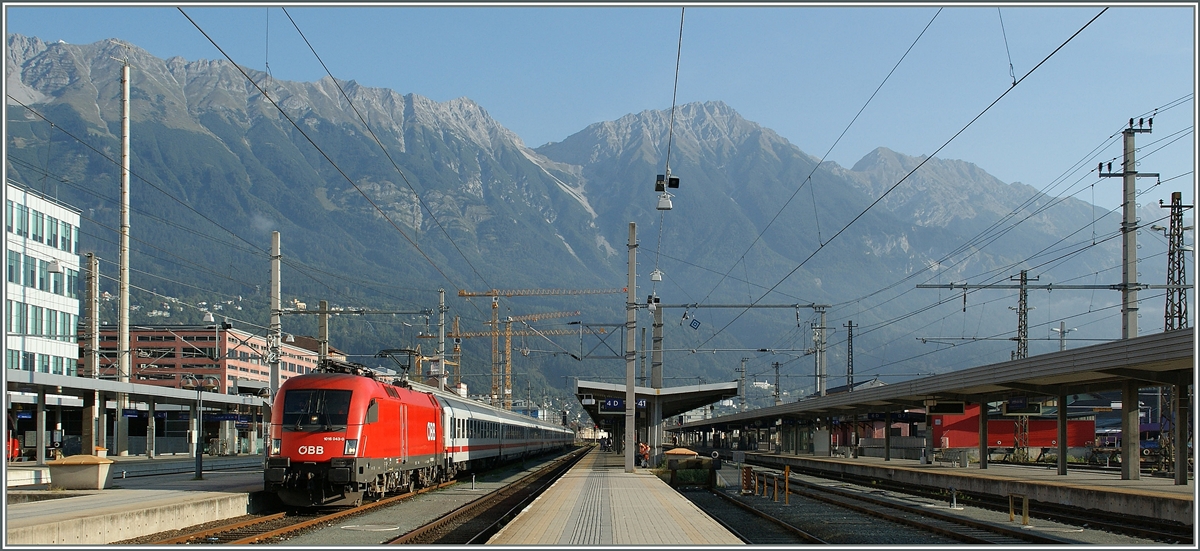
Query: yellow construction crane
{"x":495,"y":323}
{"x":508,"y":335}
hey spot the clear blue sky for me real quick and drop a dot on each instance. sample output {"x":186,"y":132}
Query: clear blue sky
{"x":802,"y":71}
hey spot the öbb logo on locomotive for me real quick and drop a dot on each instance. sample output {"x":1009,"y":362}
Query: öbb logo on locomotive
{"x":383,"y":448}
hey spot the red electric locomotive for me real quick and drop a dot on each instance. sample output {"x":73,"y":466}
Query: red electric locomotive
{"x":340,"y":433}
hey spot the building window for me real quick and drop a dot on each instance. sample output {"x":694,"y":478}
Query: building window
{"x":39,"y":225}
{"x":197,"y":352}
{"x":56,"y":283}
{"x":8,"y":220}
{"x":14,"y":267}
{"x":65,"y":238}
{"x":51,"y":324}
{"x":43,"y":282}
{"x":14,"y":357}
{"x":22,"y":222}
{"x":17,"y":323}
{"x":155,"y":376}
{"x":27,"y":361}
{"x":30,"y":271}
{"x":66,"y":329}
{"x":72,"y":283}
{"x":51,"y":231}
{"x":156,"y":353}
{"x":35,"y":320}
{"x":43,"y":363}
{"x":56,"y":366}
{"x":156,"y":338}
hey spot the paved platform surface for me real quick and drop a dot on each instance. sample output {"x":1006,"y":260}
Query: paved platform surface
{"x":598,"y":503}
{"x":28,"y":473}
{"x":130,"y":507}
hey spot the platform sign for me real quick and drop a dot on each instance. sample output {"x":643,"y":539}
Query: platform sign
{"x":1034,"y":409}
{"x":129,"y":413}
{"x":899,"y":417}
{"x":24,"y":415}
{"x":1017,"y":402}
{"x":617,"y":405}
{"x":945,"y":408}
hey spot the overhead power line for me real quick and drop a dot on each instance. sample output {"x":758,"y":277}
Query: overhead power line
{"x":916,"y":168}
{"x":319,"y":150}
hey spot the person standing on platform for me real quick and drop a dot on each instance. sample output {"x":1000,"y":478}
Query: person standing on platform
{"x":644,"y":453}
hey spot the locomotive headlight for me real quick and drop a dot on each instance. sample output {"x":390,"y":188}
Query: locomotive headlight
{"x":351,"y":447}
{"x":275,"y":445}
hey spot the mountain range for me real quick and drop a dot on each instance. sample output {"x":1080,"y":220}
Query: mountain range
{"x":381,"y":198}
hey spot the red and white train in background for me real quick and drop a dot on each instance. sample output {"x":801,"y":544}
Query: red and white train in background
{"x":341,"y":433}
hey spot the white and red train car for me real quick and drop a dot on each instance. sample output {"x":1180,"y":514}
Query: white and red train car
{"x":341,"y":433}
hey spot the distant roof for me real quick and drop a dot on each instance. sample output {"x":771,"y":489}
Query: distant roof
{"x":314,"y":344}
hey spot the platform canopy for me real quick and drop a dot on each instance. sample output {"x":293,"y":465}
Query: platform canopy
{"x":604,"y":401}
{"x":31,"y":382}
{"x":1157,"y":359}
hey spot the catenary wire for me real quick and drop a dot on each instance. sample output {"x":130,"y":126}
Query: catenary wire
{"x":922,"y":163}
{"x":385,"y":152}
{"x":670,"y":139}
{"x":321,"y":151}
{"x":808,"y":179}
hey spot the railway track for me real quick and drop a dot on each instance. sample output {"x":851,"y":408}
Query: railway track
{"x":861,"y":523}
{"x":925,"y":519}
{"x":744,"y":521}
{"x":1130,"y":525}
{"x":269,"y":527}
{"x":477,"y":521}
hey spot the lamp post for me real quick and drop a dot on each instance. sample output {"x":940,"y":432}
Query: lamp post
{"x":1062,"y":334}
{"x":199,"y":424}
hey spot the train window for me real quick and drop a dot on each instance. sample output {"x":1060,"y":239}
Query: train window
{"x":315,"y":409}
{"x":372,"y":412}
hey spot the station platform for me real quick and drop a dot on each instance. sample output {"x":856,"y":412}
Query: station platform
{"x":1150,"y":496}
{"x":155,"y":495}
{"x":598,"y":503}
{"x":27,"y":473}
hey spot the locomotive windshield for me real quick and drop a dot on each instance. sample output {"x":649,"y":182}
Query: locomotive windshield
{"x":316,"y":409}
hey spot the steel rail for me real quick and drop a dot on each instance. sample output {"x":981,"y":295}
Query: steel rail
{"x":798,"y":532}
{"x":464,"y":512}
{"x":338,"y":515}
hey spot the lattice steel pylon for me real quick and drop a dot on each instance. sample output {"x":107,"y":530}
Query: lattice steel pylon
{"x":1175,"y":317}
{"x":1176,"y":313}
{"x":1021,"y":439}
{"x":1166,"y":429}
{"x":1022,"y":337}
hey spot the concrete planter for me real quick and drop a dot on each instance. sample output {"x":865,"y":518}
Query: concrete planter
{"x":79,"y":472}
